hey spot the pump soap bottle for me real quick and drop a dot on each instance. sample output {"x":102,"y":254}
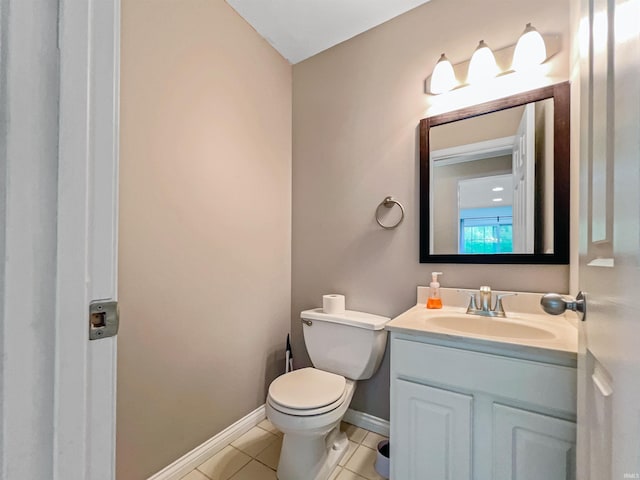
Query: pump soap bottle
{"x":434,"y":300}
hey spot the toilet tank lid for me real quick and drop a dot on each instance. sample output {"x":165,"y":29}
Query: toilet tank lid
{"x":349,"y":317}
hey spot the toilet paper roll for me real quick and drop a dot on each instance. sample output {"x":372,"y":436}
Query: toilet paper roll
{"x":333,"y":304}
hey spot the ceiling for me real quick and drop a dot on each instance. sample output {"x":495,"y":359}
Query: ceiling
{"x":299,"y":29}
{"x":485,"y":192}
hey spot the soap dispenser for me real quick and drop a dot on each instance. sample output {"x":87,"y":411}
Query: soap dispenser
{"x":434,"y":301}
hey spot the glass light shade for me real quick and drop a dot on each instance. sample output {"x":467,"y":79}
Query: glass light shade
{"x":443,"y":77}
{"x":482,"y":65}
{"x":530,"y":50}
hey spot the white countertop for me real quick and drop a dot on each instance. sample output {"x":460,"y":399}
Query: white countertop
{"x":522,"y":309}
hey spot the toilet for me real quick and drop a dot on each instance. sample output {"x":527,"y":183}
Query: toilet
{"x":307,"y":405}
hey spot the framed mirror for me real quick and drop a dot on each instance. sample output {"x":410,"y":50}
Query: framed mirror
{"x":494,"y":181}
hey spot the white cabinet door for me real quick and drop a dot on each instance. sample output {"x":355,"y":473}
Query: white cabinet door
{"x":531,"y":446}
{"x":436,"y":433}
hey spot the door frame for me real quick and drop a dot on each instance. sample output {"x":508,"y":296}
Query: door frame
{"x":85,"y":371}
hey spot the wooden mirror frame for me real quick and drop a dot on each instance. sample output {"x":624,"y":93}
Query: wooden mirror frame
{"x":561,"y":180}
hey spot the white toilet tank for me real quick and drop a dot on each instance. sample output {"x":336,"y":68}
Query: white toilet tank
{"x":351,"y":344}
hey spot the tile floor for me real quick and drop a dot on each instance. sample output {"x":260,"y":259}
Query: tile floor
{"x":254,"y":456}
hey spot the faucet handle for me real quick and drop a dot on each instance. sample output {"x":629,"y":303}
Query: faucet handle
{"x":499,"y":307}
{"x":472,"y":300}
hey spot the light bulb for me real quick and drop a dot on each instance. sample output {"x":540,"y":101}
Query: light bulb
{"x":482,"y":65}
{"x":530,"y":50}
{"x":443,"y":77}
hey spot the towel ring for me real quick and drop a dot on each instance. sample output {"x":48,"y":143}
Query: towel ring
{"x":389,"y":202}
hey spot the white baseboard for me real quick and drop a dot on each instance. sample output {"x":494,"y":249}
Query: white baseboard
{"x":366,"y":421}
{"x":203,"y":452}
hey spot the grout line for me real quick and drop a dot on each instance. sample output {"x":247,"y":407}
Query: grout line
{"x":354,"y":472}
{"x":338,"y":467}
{"x":234,"y":448}
{"x":260,"y":461}
{"x":200,"y":471}
{"x":261,"y":451}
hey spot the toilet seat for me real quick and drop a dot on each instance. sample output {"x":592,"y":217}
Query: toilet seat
{"x":307,"y":392}
{"x":307,"y":412}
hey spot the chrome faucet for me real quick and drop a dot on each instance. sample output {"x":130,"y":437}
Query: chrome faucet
{"x":484,"y":306}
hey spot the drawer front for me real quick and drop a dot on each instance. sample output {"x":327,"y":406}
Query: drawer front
{"x":545,"y":385}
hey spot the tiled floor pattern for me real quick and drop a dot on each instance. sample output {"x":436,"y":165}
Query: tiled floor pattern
{"x":254,"y":456}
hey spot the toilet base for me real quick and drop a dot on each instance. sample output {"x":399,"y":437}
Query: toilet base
{"x":315,"y":457}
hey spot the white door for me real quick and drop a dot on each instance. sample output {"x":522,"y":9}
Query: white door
{"x":609,"y":270}
{"x":524,"y":182}
{"x":58,"y":217}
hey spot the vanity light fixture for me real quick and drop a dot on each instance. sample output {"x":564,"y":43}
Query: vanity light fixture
{"x":483,"y":65}
{"x":443,"y":77}
{"x":530,"y":50}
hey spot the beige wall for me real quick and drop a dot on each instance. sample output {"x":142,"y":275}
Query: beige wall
{"x":205,"y":233}
{"x":356,"y":113}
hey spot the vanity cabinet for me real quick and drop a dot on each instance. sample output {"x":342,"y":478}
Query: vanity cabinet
{"x":479,"y":415}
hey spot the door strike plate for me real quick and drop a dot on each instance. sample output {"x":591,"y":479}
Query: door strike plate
{"x":103,"y":319}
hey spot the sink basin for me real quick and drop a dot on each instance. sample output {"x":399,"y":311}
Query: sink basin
{"x":490,"y":326}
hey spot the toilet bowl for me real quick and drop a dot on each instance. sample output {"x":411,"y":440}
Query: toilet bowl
{"x":313,"y":444}
{"x":307,"y":405}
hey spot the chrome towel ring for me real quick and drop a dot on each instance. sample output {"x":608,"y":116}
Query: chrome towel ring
{"x":389,"y":202}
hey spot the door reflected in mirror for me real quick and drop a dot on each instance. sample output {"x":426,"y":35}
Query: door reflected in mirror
{"x":494,"y":181}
